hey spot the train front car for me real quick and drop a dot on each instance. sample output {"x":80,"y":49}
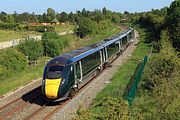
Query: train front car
{"x":57,"y":79}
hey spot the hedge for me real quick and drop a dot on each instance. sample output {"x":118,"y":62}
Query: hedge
{"x":40,"y":28}
{"x":9,"y":26}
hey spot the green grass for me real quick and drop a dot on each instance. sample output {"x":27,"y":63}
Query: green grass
{"x":63,"y":28}
{"x":25,"y":77}
{"x":8,"y":35}
{"x":121,"y":79}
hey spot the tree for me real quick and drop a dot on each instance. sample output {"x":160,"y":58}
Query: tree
{"x":31,"y":48}
{"x":64,"y":17}
{"x":126,"y":12}
{"x":173,"y":23}
{"x":115,"y":18}
{"x":71,"y":17}
{"x":9,"y":19}
{"x":50,"y":14}
{"x":34,"y":18}
{"x":53,"y":43}
{"x":15,"y":16}
{"x":44,"y":17}
{"x":104,"y":10}
{"x":86,"y":27}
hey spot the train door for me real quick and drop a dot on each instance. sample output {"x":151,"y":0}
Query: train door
{"x":106,"y":54}
{"x":121,"y":45}
{"x":128,"y":38}
{"x":78,"y":72}
{"x":102,"y":58}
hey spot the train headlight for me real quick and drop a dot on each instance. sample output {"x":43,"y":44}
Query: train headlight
{"x":63,"y":81}
{"x":43,"y":82}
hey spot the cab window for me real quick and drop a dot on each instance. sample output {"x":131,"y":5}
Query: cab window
{"x":54,"y":72}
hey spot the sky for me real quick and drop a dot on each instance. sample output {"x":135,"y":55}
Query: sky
{"x":40,"y":6}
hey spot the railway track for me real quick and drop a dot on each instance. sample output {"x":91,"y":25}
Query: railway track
{"x":7,"y":111}
{"x":33,"y":106}
{"x":49,"y":109}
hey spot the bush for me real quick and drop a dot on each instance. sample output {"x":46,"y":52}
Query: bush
{"x":9,"y":26}
{"x":53,"y":43}
{"x":40,"y":28}
{"x":103,"y":25}
{"x":86,"y":27}
{"x":11,"y":61}
{"x":162,"y":76}
{"x":31,"y":48}
{"x":109,"y":109}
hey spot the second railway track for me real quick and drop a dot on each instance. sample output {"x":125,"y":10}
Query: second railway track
{"x":32,"y":106}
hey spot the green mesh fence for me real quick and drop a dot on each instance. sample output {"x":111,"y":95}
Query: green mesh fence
{"x":133,"y":83}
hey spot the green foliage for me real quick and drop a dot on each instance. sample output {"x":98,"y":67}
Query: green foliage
{"x":40,"y":28}
{"x":163,"y":65}
{"x":11,"y":61}
{"x":103,"y":25}
{"x":50,"y":14}
{"x":158,"y":20}
{"x":9,"y":26}
{"x":86,"y":27}
{"x":173,"y":23}
{"x":154,"y":21}
{"x":112,"y":109}
{"x":161,"y":99}
{"x":53,"y":43}
{"x":31,"y":48}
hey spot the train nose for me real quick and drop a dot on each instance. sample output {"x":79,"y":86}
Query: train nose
{"x":52,"y":87}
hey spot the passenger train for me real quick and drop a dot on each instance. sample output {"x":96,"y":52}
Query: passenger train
{"x":65,"y":74}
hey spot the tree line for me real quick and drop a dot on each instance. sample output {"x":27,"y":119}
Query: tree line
{"x":51,"y":14}
{"x":86,"y":22}
{"x":157,"y":20}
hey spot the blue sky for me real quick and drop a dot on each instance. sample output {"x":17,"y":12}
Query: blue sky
{"x":40,"y":6}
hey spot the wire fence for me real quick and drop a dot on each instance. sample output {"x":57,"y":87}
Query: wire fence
{"x":131,"y":88}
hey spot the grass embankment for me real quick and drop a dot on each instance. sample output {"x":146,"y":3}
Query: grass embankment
{"x":116,"y":88}
{"x":63,"y":28}
{"x":8,"y":35}
{"x":22,"y":78}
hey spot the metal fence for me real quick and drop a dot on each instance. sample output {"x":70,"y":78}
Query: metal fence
{"x":133,"y":83}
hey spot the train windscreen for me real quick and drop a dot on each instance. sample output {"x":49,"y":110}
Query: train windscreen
{"x":54,"y":72}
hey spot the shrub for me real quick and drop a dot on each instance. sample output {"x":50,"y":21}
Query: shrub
{"x":40,"y":28}
{"x":11,"y":61}
{"x":53,"y":43}
{"x":162,"y":76}
{"x":31,"y":48}
{"x":109,"y":108}
{"x":9,"y":26}
{"x":86,"y":27}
